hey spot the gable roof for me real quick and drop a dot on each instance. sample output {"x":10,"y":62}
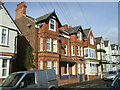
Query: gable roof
{"x":112,"y":46}
{"x":98,"y":40}
{"x":41,"y":18}
{"x":74,"y":30}
{"x":46,"y":16}
{"x":86,"y":32}
{"x":106,"y":43}
{"x":12,"y":23}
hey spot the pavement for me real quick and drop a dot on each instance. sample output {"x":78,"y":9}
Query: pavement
{"x":98,"y":83}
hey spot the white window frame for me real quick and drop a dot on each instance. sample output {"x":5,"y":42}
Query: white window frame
{"x":55,"y":66}
{"x":6,"y":36}
{"x":48,"y":43}
{"x":78,"y":51}
{"x":73,"y":50}
{"x":79,"y":68}
{"x":41,"y":43}
{"x":91,"y":53}
{"x":41,"y":64}
{"x":54,"y":45}
{"x":79,"y":36}
{"x":82,"y":68}
{"x":53,"y":24}
{"x":2,"y":68}
{"x":65,"y":50}
{"x":91,"y":40}
{"x":48,"y":65}
{"x":73,"y":70}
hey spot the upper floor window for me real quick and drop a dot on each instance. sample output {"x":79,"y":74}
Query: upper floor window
{"x":90,"y":53}
{"x":72,"y":50}
{"x":52,"y":24}
{"x":54,"y":45}
{"x":91,"y":40}
{"x":41,"y":44}
{"x":48,"y":41}
{"x":79,"y":36}
{"x":3,"y":36}
{"x":65,"y":50}
{"x":78,"y":50}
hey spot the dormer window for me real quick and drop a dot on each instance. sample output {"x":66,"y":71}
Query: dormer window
{"x":79,"y":36}
{"x":52,"y":24}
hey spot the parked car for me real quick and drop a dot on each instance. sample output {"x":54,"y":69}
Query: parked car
{"x":110,"y":75}
{"x":115,"y":85}
{"x":34,"y":79}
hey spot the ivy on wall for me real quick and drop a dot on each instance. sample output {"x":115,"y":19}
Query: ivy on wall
{"x":29,"y":58}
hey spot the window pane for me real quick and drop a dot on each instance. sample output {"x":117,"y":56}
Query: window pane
{"x":4,"y":72}
{"x":41,"y":64}
{"x":54,"y":45}
{"x":4,"y":64}
{"x":3,"y":36}
{"x":30,"y":79}
{"x":41,"y":44}
{"x":48,"y":44}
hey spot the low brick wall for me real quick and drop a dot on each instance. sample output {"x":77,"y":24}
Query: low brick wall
{"x":67,"y":81}
{"x":93,"y":77}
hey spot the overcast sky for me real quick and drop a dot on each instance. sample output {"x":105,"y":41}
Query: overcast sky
{"x":102,"y":17}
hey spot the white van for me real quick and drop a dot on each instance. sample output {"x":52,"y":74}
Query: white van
{"x":34,"y":79}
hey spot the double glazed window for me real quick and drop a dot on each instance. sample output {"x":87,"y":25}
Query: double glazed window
{"x":91,"y":40}
{"x":48,"y":65}
{"x":52,"y":25}
{"x":79,"y":36}
{"x":54,"y":45}
{"x":65,"y":50}
{"x":89,"y":53}
{"x":72,"y":50}
{"x":3,"y":36}
{"x":51,"y":44}
{"x":4,"y":67}
{"x":41,"y":44}
{"x":48,"y":40}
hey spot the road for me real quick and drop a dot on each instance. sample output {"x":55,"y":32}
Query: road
{"x":89,"y":84}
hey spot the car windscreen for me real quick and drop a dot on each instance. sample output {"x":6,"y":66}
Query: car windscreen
{"x":116,"y":82}
{"x":12,"y":79}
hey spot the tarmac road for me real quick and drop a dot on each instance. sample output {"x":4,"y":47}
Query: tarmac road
{"x":98,"y":83}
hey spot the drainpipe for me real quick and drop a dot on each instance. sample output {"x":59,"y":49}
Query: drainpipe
{"x":37,"y":27}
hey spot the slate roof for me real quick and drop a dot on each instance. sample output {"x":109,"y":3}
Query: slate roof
{"x":30,"y":17}
{"x":73,"y":30}
{"x":86,"y":32}
{"x":98,"y":40}
{"x":44,"y":17}
{"x":41,"y":18}
{"x":106,"y":43}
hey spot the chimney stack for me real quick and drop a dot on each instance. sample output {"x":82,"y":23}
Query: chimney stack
{"x":21,"y":10}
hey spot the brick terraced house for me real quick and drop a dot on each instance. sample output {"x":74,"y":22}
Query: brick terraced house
{"x":90,"y":55}
{"x":57,"y":47}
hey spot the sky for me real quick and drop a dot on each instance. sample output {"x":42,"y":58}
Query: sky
{"x":102,"y":17}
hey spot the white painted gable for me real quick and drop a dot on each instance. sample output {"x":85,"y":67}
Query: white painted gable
{"x":6,"y":20}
